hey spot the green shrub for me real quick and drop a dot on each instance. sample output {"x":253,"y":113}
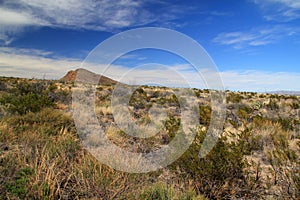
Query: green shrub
{"x":60,"y":96}
{"x":257,"y":105}
{"x":242,"y":114}
{"x":161,"y":191}
{"x":23,"y":104}
{"x":262,"y":96}
{"x":157,"y":192}
{"x":295,"y":105}
{"x":250,"y":142}
{"x":224,"y":164}
{"x":285,"y":165}
{"x":52,"y":87}
{"x":244,"y":111}
{"x":3,"y":86}
{"x":234,"y":97}
{"x":27,"y":97}
{"x":286,"y":123}
{"x":259,"y":121}
{"x":139,"y":99}
{"x":272,"y":104}
{"x":172,"y":125}
{"x":25,"y":87}
{"x":48,"y":120}
{"x":205,"y":114}
{"x":19,"y":186}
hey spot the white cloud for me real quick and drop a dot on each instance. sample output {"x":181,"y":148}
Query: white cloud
{"x":22,"y":51}
{"x":260,"y":81}
{"x":287,"y":3}
{"x":234,"y":38}
{"x":103,"y":15}
{"x":33,"y":63}
{"x":255,"y":37}
{"x":14,"y":18}
{"x":89,"y":14}
{"x":13,"y":22}
{"x":280,"y":10}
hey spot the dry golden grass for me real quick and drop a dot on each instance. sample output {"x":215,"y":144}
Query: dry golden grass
{"x":41,"y":156}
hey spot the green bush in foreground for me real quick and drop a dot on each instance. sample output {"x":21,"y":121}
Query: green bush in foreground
{"x":19,"y":186}
{"x":161,"y":191}
{"x":27,"y":97}
{"x":48,"y":121}
{"x":221,"y":172}
{"x":25,"y":103}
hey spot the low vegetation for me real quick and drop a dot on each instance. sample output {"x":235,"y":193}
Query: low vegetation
{"x":41,"y":156}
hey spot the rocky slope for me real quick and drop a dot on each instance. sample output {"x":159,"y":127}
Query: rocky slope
{"x":87,"y":76}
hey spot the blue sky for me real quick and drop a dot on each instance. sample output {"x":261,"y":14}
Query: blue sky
{"x":254,"y":43}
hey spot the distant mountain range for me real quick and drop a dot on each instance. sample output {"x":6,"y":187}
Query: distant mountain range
{"x":285,"y":92}
{"x":87,"y":76}
{"x":103,"y":80}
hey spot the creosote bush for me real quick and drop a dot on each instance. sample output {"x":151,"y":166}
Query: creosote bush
{"x":233,"y":97}
{"x":219,"y":173}
{"x":23,"y":104}
{"x":205,"y":114}
{"x":273,"y":105}
{"x":160,"y":191}
{"x":50,"y":121}
{"x":18,"y":185}
{"x":26,"y":97}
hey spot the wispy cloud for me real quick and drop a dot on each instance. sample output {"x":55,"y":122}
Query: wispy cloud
{"x":13,"y":22}
{"x":13,"y":18}
{"x":35,"y":63}
{"x":255,"y":80}
{"x":220,"y":13}
{"x":101,"y":15}
{"x":254,"y":37}
{"x":89,"y":14}
{"x":23,"y":51}
{"x":280,"y":10}
{"x":288,"y":3}
{"x":261,"y":81}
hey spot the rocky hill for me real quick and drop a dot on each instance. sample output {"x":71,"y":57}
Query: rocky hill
{"x":87,"y":76}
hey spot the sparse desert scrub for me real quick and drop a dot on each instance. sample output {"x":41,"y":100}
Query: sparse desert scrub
{"x":234,"y":97}
{"x":163,"y":191}
{"x":277,"y":160}
{"x":36,"y":164}
{"x":41,"y":156}
{"x":103,"y":110}
{"x":221,"y":173}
